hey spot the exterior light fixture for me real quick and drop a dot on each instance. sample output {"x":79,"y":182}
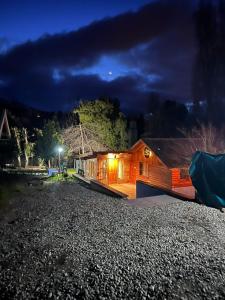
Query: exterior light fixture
{"x":59,"y":150}
{"x":112,"y":161}
{"x":111,"y":156}
{"x":147,"y":152}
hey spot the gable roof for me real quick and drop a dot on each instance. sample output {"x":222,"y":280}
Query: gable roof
{"x":4,"y":124}
{"x":173,"y":152}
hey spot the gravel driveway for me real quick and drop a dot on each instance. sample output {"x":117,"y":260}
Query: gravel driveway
{"x":64,"y":241}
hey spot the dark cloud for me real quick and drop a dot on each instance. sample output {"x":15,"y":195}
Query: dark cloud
{"x":161,"y":26}
{"x":83,"y":47}
{"x":169,"y":57}
{"x":65,"y":94}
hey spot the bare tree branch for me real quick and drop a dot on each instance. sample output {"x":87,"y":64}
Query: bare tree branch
{"x":206,"y":138}
{"x":80,"y":140}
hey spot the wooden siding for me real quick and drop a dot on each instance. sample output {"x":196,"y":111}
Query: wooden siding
{"x":149,"y":169}
{"x":79,"y":165}
{"x":90,"y":168}
{"x":158,"y":176}
{"x":102,"y":169}
{"x":177,"y":181}
{"x":125,"y":161}
{"x":108,"y":168}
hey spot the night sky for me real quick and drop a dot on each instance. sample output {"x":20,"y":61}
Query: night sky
{"x":54,"y":53}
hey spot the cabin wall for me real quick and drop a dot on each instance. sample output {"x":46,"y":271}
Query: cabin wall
{"x":114,"y":168}
{"x":180,"y":177}
{"x":90,"y":168}
{"x":86,"y":167}
{"x":146,"y":166}
{"x":79,"y":165}
{"x":102,"y":169}
{"x":124,"y":169}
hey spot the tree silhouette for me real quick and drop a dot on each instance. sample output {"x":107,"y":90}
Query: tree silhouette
{"x":209,"y":67}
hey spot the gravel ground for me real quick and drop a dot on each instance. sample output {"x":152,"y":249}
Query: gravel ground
{"x":64,"y":241}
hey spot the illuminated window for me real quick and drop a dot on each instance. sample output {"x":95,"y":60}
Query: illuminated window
{"x":120,"y":170}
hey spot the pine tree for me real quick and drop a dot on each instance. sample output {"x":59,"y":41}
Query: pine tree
{"x":104,"y":118}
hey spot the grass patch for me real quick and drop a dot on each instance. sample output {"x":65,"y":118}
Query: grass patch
{"x":71,"y":171}
{"x":61,"y":178}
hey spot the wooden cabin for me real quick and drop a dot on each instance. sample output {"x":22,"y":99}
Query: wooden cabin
{"x":106,"y":167}
{"x":114,"y":168}
{"x":161,"y":162}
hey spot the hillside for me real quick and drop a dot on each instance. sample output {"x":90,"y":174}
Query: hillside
{"x":21,"y":115}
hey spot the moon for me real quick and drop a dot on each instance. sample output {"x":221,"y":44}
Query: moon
{"x":110,"y":73}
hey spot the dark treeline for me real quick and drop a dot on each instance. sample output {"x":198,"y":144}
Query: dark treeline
{"x":165,"y":118}
{"x":21,"y":115}
{"x":209,"y":67}
{"x":33,"y":134}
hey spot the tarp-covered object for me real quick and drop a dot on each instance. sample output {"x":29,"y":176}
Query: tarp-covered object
{"x":207,"y":172}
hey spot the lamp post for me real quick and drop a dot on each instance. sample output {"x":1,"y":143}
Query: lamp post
{"x":60,"y":150}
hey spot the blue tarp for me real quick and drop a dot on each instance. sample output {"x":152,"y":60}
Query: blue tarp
{"x":52,"y":172}
{"x":207,"y":172}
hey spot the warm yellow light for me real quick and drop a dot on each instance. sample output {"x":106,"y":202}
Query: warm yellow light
{"x":111,"y":155}
{"x":112,"y":161}
{"x":120,"y":170}
{"x":147,"y":152}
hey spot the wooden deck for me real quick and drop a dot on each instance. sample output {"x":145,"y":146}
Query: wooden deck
{"x":125,"y":188}
{"x":188,"y":191}
{"x":130,"y":190}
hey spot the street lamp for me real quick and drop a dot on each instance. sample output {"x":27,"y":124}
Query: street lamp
{"x":60,"y":150}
